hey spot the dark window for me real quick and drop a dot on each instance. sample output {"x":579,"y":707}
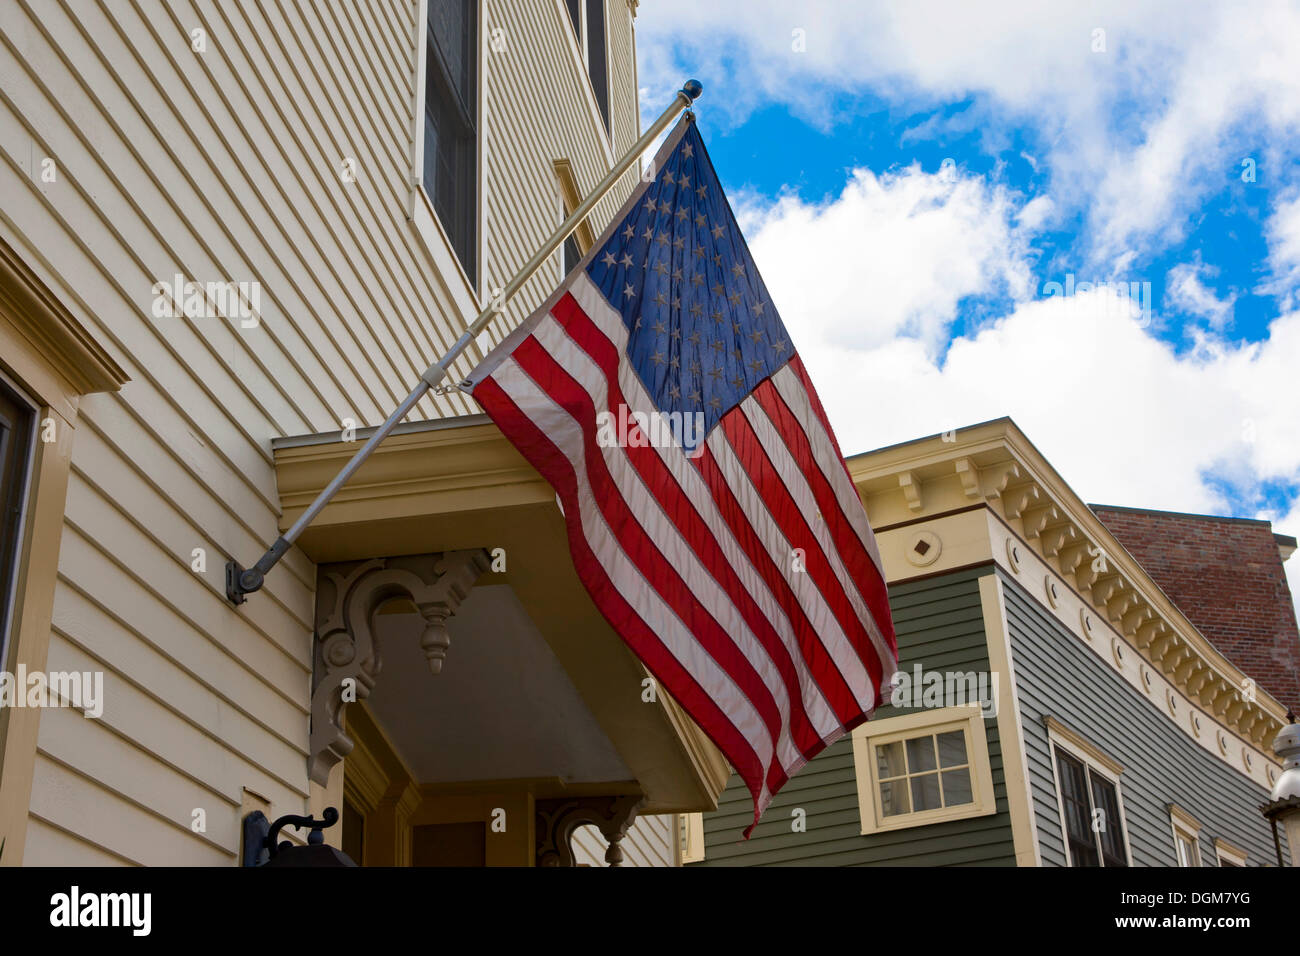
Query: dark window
{"x":17,"y":419}
{"x":450,"y":126}
{"x":354,"y":833}
{"x":1111,"y":836}
{"x":575,"y":17}
{"x":572,"y":254}
{"x":1078,"y":813}
{"x":1083,"y":793}
{"x":597,"y":60}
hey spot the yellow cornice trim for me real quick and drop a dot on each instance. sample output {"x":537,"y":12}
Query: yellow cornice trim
{"x":992,"y":459}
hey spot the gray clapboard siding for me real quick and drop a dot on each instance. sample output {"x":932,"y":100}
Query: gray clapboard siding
{"x":939,"y":624}
{"x":1056,"y":676}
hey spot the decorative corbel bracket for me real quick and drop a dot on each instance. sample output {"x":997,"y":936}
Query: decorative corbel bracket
{"x":348,"y":657}
{"x":558,"y":819}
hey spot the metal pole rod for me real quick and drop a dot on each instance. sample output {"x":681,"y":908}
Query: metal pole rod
{"x":240,"y":581}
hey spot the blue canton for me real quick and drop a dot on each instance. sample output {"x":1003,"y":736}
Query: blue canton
{"x":702,"y":330}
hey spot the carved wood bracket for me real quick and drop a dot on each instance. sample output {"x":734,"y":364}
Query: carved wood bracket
{"x":347,"y":654}
{"x":558,"y":819}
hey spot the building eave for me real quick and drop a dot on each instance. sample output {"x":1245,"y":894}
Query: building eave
{"x":994,"y":465}
{"x":456,"y":483}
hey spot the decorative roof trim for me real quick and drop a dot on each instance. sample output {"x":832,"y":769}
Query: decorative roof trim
{"x":995,"y":462}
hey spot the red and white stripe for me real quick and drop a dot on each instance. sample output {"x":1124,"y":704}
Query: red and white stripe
{"x":692,"y":561}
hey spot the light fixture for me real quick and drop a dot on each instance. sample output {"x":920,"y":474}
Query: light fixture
{"x":1284,"y":805}
{"x":261,"y":849}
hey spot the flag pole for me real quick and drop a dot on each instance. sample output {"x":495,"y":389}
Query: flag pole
{"x":240,"y":582}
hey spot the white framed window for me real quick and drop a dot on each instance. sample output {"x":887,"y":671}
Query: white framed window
{"x":588,"y":23}
{"x":1090,"y":800}
{"x":923,"y":768}
{"x":1227,"y":854}
{"x":1187,"y":831}
{"x":447,"y":164}
{"x":690,"y":837}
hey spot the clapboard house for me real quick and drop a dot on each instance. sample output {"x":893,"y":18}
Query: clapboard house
{"x":1077,"y":686}
{"x":233,"y":235}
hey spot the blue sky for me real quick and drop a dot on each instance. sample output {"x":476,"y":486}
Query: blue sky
{"x":921,"y":183}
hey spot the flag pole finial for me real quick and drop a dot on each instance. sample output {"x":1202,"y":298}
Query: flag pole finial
{"x":693,"y":89}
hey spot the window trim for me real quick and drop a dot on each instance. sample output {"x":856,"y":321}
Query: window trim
{"x":1235,"y":856}
{"x":27,"y":489}
{"x":468,"y":294}
{"x":1182,"y":823}
{"x":866,"y":737}
{"x":53,"y":359}
{"x":691,"y":835}
{"x":1061,"y":737}
{"x":570,"y":198}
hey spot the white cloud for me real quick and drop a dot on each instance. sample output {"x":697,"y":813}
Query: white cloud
{"x":1185,"y":290}
{"x":1283,"y":234}
{"x":1124,"y":417}
{"x":1136,"y":134}
{"x":891,"y":255}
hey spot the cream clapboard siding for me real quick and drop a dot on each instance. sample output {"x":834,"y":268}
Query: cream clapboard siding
{"x":649,"y":842}
{"x":225,"y":166}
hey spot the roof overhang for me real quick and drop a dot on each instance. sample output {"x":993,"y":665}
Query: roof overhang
{"x":994,"y":466}
{"x":454,"y":484}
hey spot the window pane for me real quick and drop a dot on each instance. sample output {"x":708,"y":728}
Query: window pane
{"x":575,"y":16}
{"x":925,"y":792}
{"x":1111,"y":834}
{"x":451,"y":23}
{"x":596,"y":59}
{"x":16,"y":421}
{"x":952,"y":749}
{"x":889,"y":760}
{"x":893,"y":798}
{"x":1083,"y":854}
{"x":450,"y":111}
{"x":572,"y":256}
{"x":920,"y":754}
{"x":956,"y":787}
{"x":1077,"y":811}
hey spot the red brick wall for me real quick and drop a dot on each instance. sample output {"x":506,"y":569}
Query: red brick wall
{"x":1226,"y":576}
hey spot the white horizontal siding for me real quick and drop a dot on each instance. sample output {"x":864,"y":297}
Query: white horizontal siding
{"x":225,"y":166}
{"x":649,"y":842}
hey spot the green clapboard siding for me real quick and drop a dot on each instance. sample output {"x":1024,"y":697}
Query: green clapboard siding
{"x":939,"y":625}
{"x":1057,"y":676}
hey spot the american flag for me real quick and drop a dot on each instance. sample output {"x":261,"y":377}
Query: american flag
{"x":709,"y":511}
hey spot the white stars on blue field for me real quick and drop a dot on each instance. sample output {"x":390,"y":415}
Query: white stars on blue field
{"x":702,"y":331}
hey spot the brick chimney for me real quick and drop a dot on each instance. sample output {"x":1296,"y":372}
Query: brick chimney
{"x":1225,"y":575}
